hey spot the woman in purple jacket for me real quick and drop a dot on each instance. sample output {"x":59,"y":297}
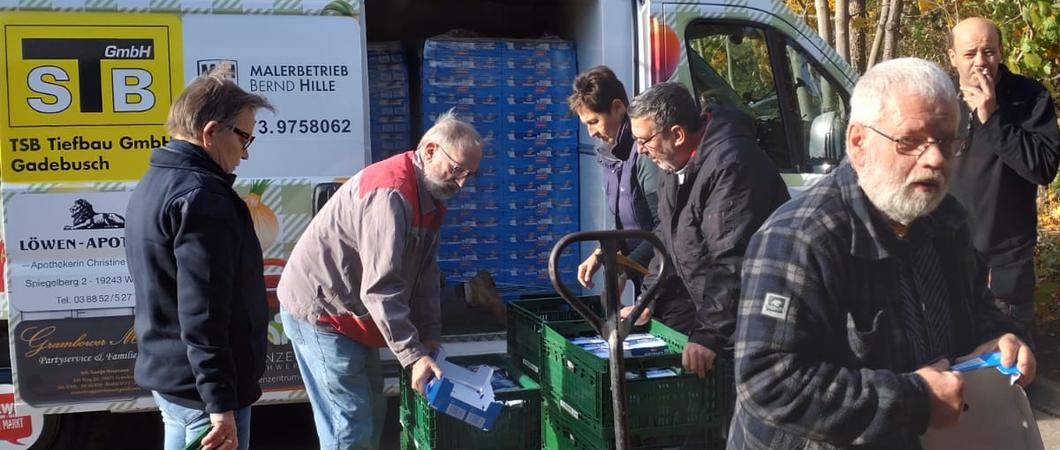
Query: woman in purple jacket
{"x":600,"y":102}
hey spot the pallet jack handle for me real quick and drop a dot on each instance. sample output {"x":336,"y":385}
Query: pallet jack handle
{"x":614,"y":328}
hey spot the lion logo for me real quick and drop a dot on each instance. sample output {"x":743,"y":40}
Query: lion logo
{"x":85,"y":217}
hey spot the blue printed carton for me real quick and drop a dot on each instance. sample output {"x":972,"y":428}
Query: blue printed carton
{"x":464,"y":394}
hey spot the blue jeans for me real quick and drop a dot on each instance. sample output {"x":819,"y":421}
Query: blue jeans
{"x":344,"y":382}
{"x":184,"y":424}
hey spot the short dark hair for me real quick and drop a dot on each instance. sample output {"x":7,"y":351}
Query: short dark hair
{"x":667,"y":104}
{"x":595,"y":90}
{"x":210,"y":97}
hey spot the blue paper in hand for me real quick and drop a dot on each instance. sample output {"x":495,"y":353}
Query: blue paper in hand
{"x":988,"y":360}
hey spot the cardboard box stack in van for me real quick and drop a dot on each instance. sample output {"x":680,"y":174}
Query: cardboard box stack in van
{"x":525,"y":196}
{"x":388,"y":99}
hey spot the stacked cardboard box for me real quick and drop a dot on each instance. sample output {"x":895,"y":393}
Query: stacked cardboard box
{"x":388,"y":99}
{"x":525,"y":196}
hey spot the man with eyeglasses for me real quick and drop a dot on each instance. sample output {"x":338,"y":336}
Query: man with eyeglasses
{"x":196,"y":266}
{"x":1013,"y":147}
{"x":364,"y":275}
{"x":718,"y":187}
{"x":859,"y":293}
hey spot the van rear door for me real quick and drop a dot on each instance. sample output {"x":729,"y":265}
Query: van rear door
{"x":761,"y":58}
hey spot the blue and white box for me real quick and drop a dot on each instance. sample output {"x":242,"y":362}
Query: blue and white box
{"x":464,"y":394}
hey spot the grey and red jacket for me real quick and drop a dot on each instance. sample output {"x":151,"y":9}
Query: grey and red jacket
{"x":366,"y":266}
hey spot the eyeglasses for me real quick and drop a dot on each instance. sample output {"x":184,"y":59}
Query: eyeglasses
{"x":643,"y":143}
{"x":455,"y":169}
{"x":916,"y":146}
{"x":247,"y":137}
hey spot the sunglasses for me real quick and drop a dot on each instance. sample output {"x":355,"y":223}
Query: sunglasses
{"x":247,"y":137}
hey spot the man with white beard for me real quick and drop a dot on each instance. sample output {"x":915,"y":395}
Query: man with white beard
{"x":858,"y":295}
{"x":365,"y":275}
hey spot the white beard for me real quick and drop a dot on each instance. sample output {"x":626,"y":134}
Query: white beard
{"x":441,"y":190}
{"x":896,"y":197}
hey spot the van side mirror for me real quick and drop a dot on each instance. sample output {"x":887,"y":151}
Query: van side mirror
{"x":825,"y":147}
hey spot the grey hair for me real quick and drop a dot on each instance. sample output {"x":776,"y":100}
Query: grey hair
{"x":211,"y":97}
{"x":451,"y":132}
{"x":877,"y":91}
{"x":667,"y":104}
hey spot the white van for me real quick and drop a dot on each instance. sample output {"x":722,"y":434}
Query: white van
{"x":87,"y":85}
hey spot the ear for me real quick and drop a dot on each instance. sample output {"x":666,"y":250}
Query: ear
{"x":617,"y":107}
{"x":428,"y":151}
{"x":953,"y":57}
{"x":856,"y":145}
{"x":680,"y":135}
{"x":209,"y":133}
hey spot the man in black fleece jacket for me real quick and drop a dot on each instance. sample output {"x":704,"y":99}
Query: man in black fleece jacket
{"x":1013,"y":147}
{"x":196,"y":264}
{"x":718,"y":189}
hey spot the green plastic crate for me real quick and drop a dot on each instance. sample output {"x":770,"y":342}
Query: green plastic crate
{"x":407,"y":441}
{"x":517,"y":427}
{"x":560,"y":432}
{"x":580,"y":384}
{"x":526,"y":319}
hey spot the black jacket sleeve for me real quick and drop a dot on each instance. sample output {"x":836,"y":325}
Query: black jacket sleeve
{"x":205,"y":251}
{"x":1024,"y":135}
{"x":740,"y":201}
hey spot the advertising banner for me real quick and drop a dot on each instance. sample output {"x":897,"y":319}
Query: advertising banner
{"x":67,"y":361}
{"x":87,"y":94}
{"x":68,"y":250}
{"x":85,"y":100}
{"x":315,"y":82}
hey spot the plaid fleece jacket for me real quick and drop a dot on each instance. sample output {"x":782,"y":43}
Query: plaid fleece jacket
{"x":822,"y":360}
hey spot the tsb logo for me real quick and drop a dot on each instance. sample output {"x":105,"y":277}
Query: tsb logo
{"x":131,"y":87}
{"x":89,"y":75}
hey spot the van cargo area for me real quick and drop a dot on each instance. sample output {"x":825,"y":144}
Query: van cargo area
{"x":506,"y":66}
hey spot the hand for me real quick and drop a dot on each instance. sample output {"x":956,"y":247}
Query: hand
{"x":697,"y":358}
{"x":422,"y":371}
{"x":587,"y":268}
{"x":1013,"y":351}
{"x":223,"y":436}
{"x":645,"y":315}
{"x":946,"y":390}
{"x":981,"y":98}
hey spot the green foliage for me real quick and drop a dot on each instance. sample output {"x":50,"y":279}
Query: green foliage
{"x":1048,"y":252}
{"x":747,"y":62}
{"x":1030,"y":31}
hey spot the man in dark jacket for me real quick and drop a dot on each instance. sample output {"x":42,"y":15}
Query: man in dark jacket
{"x":630,"y":181}
{"x":196,"y":265}
{"x":858,"y":293}
{"x":718,"y":190}
{"x":1013,"y":147}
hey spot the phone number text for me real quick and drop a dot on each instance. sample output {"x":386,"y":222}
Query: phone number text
{"x":305,"y":126}
{"x":100,"y":298}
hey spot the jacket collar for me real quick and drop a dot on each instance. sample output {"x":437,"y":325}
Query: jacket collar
{"x":427,"y":203}
{"x":180,"y":154}
{"x":623,"y":144}
{"x":872,"y":237}
{"x":721,"y":124}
